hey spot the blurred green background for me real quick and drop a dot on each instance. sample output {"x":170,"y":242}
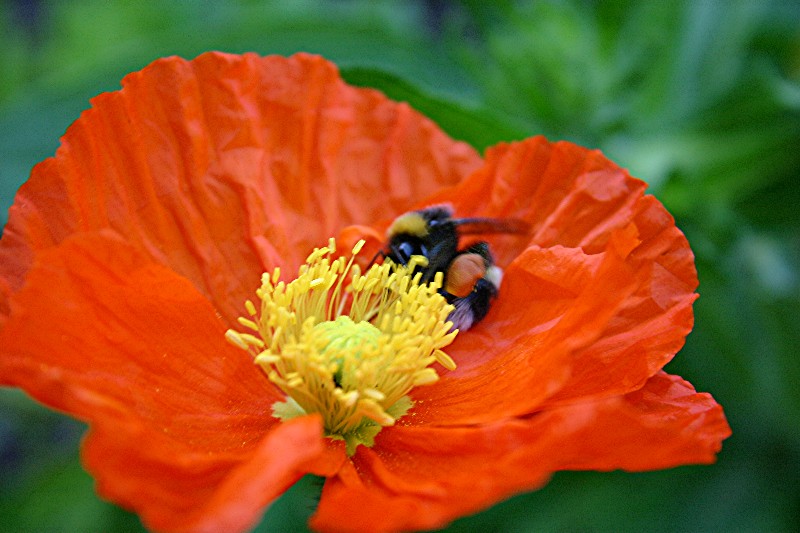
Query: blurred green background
{"x":699,"y":98}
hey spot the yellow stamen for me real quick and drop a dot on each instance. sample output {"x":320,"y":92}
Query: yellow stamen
{"x":347,"y":345}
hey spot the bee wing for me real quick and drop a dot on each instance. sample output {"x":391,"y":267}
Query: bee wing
{"x":472,"y":226}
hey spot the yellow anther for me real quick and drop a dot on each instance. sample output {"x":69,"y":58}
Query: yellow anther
{"x":235,"y":338}
{"x":371,"y":409}
{"x":348,"y":398}
{"x":251,"y":340}
{"x":266,"y":358}
{"x":249,"y":324}
{"x":374,"y":394}
{"x":345,"y":344}
{"x":426,"y":377}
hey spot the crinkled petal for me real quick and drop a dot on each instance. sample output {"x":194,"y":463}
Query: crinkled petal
{"x":129,"y":253}
{"x":99,"y":331}
{"x":651,"y":326}
{"x":226,"y":166}
{"x":556,"y":302}
{"x":424,"y":477}
{"x":563,"y":328}
{"x":175,"y":412}
{"x":203,"y":492}
{"x":570,"y":195}
{"x":662,"y":425}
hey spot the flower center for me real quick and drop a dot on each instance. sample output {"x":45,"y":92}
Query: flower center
{"x":347,"y":345}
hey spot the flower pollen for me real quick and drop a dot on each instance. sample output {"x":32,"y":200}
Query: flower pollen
{"x":347,"y":345}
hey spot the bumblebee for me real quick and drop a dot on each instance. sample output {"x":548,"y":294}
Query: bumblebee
{"x":471,"y":279}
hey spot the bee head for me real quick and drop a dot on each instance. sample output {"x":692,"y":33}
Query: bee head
{"x":419,"y":223}
{"x":413,"y":224}
{"x":429,"y":232}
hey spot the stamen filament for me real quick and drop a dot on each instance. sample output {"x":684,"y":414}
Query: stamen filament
{"x":345,"y":344}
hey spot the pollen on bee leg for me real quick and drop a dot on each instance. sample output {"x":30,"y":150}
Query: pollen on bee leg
{"x":347,"y":344}
{"x":464,"y":271}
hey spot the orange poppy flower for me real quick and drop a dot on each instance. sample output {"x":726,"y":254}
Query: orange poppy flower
{"x":129,"y":255}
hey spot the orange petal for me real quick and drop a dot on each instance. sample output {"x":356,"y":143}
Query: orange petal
{"x":553,"y":303}
{"x":104,"y":334}
{"x":570,"y":195}
{"x":226,"y":166}
{"x":424,"y":477}
{"x":350,"y":235}
{"x":573,"y":197}
{"x":652,"y":325}
{"x":202,"y":493}
{"x":662,"y":425}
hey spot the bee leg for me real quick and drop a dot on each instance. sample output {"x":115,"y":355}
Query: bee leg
{"x":472,"y":305}
{"x":470,"y":309}
{"x":380,"y":254}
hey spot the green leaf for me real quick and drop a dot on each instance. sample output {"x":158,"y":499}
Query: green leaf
{"x":475,"y":125}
